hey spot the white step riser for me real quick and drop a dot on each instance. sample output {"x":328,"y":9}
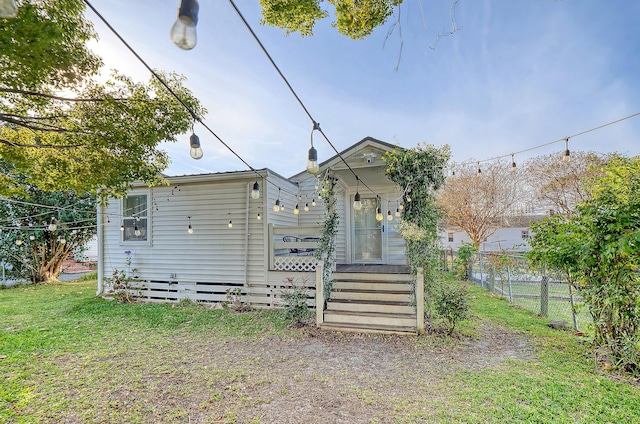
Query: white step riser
{"x":369,"y":307}
{"x":372,"y":277}
{"x":371,"y":296}
{"x":380,"y":320}
{"x":338,"y":285}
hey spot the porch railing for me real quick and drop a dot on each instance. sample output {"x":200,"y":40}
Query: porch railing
{"x":291,"y":248}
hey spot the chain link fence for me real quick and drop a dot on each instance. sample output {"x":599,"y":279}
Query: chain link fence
{"x":542,"y":291}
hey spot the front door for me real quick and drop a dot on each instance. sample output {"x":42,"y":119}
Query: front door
{"x":367,"y":233}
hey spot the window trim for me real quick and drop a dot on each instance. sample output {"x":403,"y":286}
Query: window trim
{"x":148,"y":217}
{"x":450,"y":237}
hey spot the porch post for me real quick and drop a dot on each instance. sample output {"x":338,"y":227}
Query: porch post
{"x":319,"y":293}
{"x":420,"y":301}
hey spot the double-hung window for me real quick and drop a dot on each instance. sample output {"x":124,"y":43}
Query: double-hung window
{"x":135,"y":217}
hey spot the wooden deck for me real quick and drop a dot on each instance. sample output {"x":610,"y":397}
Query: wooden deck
{"x":373,"y":269}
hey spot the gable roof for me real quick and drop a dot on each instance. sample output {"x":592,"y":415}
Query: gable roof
{"x":362,"y":144}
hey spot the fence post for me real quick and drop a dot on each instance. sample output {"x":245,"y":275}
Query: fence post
{"x":492,"y":279}
{"x":544,"y":294}
{"x":319,"y":293}
{"x":573,"y":308}
{"x":509,"y":281}
{"x":481,"y":277}
{"x":420,"y":301}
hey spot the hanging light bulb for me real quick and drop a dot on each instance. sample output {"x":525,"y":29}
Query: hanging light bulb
{"x":313,"y":202}
{"x":255,"y":192}
{"x":53,"y":225}
{"x":389,"y":216}
{"x":312,"y":164}
{"x":32,"y":237}
{"x":183,"y":31}
{"x":276,"y":206}
{"x":401,"y":206}
{"x":122,"y":226}
{"x":282,"y":207}
{"x":408,"y":198}
{"x":567,"y":153}
{"x":379,"y":216}
{"x":513,"y":164}
{"x":19,"y":242}
{"x":306,"y":207}
{"x":479,"y":170}
{"x":230,"y":224}
{"x":189,"y":228}
{"x":196,"y":150}
{"x":259,"y":217}
{"x":136,"y":230}
{"x":8,"y":9}
{"x":357,"y":203}
{"x":296,"y":211}
{"x":398,"y":212}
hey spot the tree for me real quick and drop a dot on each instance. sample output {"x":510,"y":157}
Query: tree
{"x":41,"y":229}
{"x":354,"y":18}
{"x":599,"y":249}
{"x":561,"y":183}
{"x":64,"y":130}
{"x":476,"y":199}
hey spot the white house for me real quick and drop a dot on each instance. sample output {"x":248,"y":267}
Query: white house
{"x":205,"y":234}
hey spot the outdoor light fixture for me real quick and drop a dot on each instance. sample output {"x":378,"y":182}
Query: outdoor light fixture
{"x":276,"y":206}
{"x":398,"y":212}
{"x":312,"y":163}
{"x":296,"y":210}
{"x":53,"y":225}
{"x":122,"y":226}
{"x":479,"y":170}
{"x":32,"y":237}
{"x":8,"y":9}
{"x":379,"y":216}
{"x":513,"y":164}
{"x":136,"y":230}
{"x":259,"y":217}
{"x":196,"y":150}
{"x":357,"y":203}
{"x":230,"y":224}
{"x":183,"y":31}
{"x":567,"y":153}
{"x":306,"y":207}
{"x":255,"y":192}
{"x":389,"y":216}
{"x":313,"y":202}
{"x":190,"y":228}
{"x":401,"y":206}
{"x":19,"y":242}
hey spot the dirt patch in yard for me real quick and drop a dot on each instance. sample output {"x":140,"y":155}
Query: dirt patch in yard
{"x":320,"y":377}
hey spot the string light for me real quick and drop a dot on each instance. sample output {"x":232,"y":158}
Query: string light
{"x":313,"y":202}
{"x":379,"y":216}
{"x":567,"y":153}
{"x":398,"y":212}
{"x":122,"y":226}
{"x":53,"y":225}
{"x":32,"y":237}
{"x":190,"y":228}
{"x":183,"y":31}
{"x":389,"y":216}
{"x":196,"y":151}
{"x":276,"y":206}
{"x":259,"y":217}
{"x":255,"y":192}
{"x":296,"y":211}
{"x":479,"y":171}
{"x":513,"y":164}
{"x":230,"y":224}
{"x":312,"y":164}
{"x":136,"y":230}
{"x":19,"y":242}
{"x":306,"y":207}
{"x":357,"y":203}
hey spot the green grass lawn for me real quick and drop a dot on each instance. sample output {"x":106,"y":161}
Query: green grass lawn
{"x":67,"y":356}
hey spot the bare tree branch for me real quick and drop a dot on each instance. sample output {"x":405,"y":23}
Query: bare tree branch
{"x":454,"y":25}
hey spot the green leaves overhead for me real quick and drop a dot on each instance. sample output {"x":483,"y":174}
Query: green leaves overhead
{"x":354,"y":18}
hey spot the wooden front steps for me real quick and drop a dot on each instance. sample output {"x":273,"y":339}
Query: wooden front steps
{"x":371,"y":303}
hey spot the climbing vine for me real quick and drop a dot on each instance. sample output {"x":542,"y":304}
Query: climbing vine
{"x":419,"y":172}
{"x":326,"y":250}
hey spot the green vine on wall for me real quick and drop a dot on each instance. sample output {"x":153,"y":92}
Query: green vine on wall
{"x":326,"y":250}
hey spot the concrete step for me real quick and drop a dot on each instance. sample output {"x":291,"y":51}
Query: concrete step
{"x":364,"y":328}
{"x":370,"y":306}
{"x":368,"y":285}
{"x":360,"y":276}
{"x":370,"y":318}
{"x":387,"y":296}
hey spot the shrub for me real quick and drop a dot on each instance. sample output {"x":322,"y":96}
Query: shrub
{"x":295,"y":300}
{"x":462,"y":260}
{"x":452,"y":304}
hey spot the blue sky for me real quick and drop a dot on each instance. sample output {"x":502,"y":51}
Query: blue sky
{"x":518,"y":73}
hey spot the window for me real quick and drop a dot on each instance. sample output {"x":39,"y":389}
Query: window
{"x":450,"y":237}
{"x":525,"y":234}
{"x":135,"y":218}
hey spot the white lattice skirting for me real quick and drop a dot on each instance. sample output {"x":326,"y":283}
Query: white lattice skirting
{"x":294,"y":263}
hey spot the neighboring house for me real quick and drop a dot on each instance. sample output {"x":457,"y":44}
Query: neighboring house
{"x":228,"y":247}
{"x":512,"y":234}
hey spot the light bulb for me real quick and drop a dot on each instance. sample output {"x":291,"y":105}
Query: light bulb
{"x":408,"y":198}
{"x":32,"y":237}
{"x":357,"y":203}
{"x":312,"y":163}
{"x":379,"y":216}
{"x":296,"y":211}
{"x":259,"y":217}
{"x":398,"y":212}
{"x":401,"y":206}
{"x":8,"y":9}
{"x":136,"y":231}
{"x":196,"y":150}
{"x":313,"y":202}
{"x":190,"y":230}
{"x":306,"y":207}
{"x":183,"y":32}
{"x":514,"y":168}
{"x":255,"y":192}
{"x":230,"y":224}
{"x":276,"y":206}
{"x":389,"y":216}
{"x":19,"y":242}
{"x":53,"y":225}
{"x":121,"y":227}
{"x":567,"y":156}
{"x":282,"y":207}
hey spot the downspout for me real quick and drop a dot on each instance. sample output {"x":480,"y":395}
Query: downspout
{"x":246,"y":236}
{"x":100,"y":222}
